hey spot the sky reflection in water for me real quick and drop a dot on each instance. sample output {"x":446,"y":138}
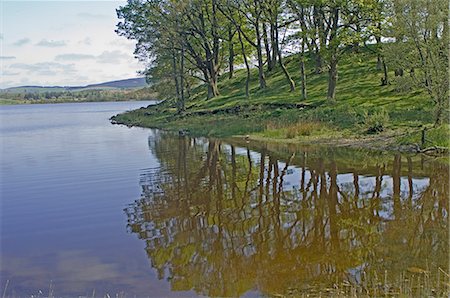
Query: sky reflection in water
{"x":207,"y":217}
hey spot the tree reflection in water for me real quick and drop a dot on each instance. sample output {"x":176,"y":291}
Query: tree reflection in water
{"x":223,"y":220}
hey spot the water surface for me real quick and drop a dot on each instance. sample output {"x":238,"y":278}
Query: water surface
{"x":90,"y":208}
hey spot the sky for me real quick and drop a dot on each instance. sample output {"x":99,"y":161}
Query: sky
{"x":63,"y":43}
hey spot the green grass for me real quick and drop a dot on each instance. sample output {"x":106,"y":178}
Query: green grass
{"x":5,"y":101}
{"x":437,"y":136}
{"x":360,"y":102}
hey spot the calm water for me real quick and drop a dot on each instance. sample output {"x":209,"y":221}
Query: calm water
{"x":90,"y":208}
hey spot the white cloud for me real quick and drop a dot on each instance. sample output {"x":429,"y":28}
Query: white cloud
{"x":51,"y":43}
{"x":7,"y":57}
{"x":79,"y":34}
{"x":21,"y":42}
{"x":9,"y":73}
{"x":73,"y":57}
{"x":112,"y":57}
{"x":87,"y":41}
{"x":45,"y":68}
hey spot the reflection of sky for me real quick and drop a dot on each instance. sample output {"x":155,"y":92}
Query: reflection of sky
{"x":66,"y":175}
{"x":292,"y":180}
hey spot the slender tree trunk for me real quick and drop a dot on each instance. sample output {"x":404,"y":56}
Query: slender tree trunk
{"x":332,"y":71}
{"x":302,"y":70}
{"x":247,"y":67}
{"x":280,"y":62}
{"x":273,"y":41}
{"x":230,"y":53}
{"x":262,"y":79}
{"x":321,"y":41}
{"x":302,"y":54}
{"x":181,"y":103}
{"x":267,"y":48}
{"x":385,"y":79}
{"x":175,"y":78}
{"x":379,"y":59}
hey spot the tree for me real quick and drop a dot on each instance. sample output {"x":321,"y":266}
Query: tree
{"x":274,"y":11}
{"x":177,"y":33}
{"x":346,"y":24}
{"x":421,"y":46}
{"x":248,"y":14}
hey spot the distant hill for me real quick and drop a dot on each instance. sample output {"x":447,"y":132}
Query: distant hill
{"x":120,"y":84}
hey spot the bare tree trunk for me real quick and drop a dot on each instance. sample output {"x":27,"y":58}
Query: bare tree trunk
{"x":230,"y":52}
{"x":181,"y":107}
{"x":321,"y":42}
{"x":280,"y":62}
{"x":332,"y":71}
{"x":332,"y":78}
{"x":267,"y":48}
{"x":302,"y":70}
{"x":262,"y":79}
{"x":247,"y":80}
{"x":213,"y":90}
{"x":379,"y":59}
{"x":175,"y":78}
{"x":302,"y":54}
{"x":385,"y":79}
{"x":274,"y":48}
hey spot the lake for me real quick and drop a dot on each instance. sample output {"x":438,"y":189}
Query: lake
{"x":89,"y":208}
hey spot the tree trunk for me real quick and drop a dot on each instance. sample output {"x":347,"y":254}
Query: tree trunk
{"x":274,"y":48}
{"x":321,"y":42}
{"x":230,"y":53}
{"x":302,"y":54}
{"x":247,"y":80}
{"x":332,"y":78}
{"x":439,"y":110}
{"x":333,"y":50}
{"x":379,"y":59}
{"x":385,"y":79}
{"x":181,"y":102}
{"x":280,"y":62}
{"x":302,"y":70}
{"x":262,"y":79}
{"x":175,"y":78}
{"x":213,"y":90}
{"x":267,"y":48}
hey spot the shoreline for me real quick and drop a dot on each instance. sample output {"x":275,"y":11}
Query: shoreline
{"x":384,"y":142}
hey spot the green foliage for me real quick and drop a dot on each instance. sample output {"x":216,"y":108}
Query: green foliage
{"x":81,"y":96}
{"x":421,"y":34}
{"x":359,"y":94}
{"x":340,"y":116}
{"x":434,"y":136}
{"x":376,"y":121}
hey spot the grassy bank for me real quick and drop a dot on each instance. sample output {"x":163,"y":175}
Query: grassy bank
{"x":365,"y":113}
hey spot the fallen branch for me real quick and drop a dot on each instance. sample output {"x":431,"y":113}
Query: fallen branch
{"x":434,"y":149}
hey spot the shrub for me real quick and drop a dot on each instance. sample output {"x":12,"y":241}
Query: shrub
{"x":343,"y":116}
{"x":303,"y":129}
{"x":376,"y":121}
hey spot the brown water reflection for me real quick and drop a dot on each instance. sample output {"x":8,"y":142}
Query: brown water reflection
{"x":227,"y":218}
